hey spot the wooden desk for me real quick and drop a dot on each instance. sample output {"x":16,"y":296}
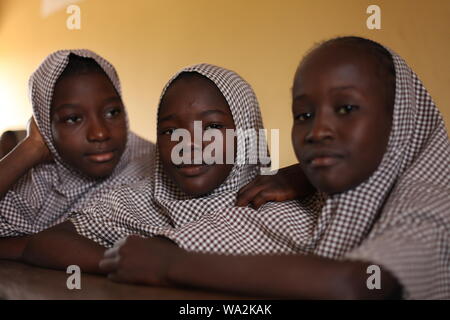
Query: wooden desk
{"x":20,"y":281}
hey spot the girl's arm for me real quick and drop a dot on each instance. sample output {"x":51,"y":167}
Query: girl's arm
{"x":160,"y":262}
{"x":28,"y":153}
{"x":298,"y":277}
{"x":12,"y":248}
{"x":289,"y":183}
{"x":55,"y":248}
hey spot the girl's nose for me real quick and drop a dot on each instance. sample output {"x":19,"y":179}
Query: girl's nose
{"x":193,"y":151}
{"x":98,"y":131}
{"x":320,"y":130}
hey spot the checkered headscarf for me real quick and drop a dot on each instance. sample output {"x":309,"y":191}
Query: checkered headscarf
{"x":158,"y":206}
{"x":48,"y":192}
{"x":246,"y":115}
{"x":398,"y":218}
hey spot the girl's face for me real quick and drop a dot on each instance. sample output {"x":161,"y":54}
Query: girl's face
{"x":88,"y":123}
{"x":342,"y":117}
{"x":186,"y":101}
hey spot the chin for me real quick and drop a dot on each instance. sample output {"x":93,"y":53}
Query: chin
{"x":99,"y":174}
{"x":194,"y":189}
{"x":327,"y":187}
{"x":195,"y":192}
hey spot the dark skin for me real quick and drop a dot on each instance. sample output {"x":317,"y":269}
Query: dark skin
{"x":289,"y":183}
{"x":283,"y":186}
{"x":8,"y":141}
{"x":28,"y":153}
{"x":337,"y":115}
{"x":157,"y":261}
{"x":88,"y":126}
{"x":55,"y":248}
{"x":185,"y":101}
{"x":90,"y":134}
{"x":188,"y":100}
{"x":342,"y":107}
{"x":88,"y":123}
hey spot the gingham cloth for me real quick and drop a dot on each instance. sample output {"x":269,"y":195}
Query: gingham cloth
{"x":48,"y":192}
{"x":158,"y":206}
{"x":399,"y":218}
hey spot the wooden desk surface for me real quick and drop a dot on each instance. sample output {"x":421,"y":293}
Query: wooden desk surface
{"x":20,"y":281}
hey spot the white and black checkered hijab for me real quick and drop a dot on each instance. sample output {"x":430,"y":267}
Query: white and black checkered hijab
{"x":48,"y":192}
{"x":246,"y":115}
{"x":159,"y":206}
{"x":398,"y":218}
{"x":411,"y":238}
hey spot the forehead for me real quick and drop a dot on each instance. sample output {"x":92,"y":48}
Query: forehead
{"x":92,"y":83}
{"x":192,"y":93}
{"x":337,"y":63}
{"x":85,"y":91}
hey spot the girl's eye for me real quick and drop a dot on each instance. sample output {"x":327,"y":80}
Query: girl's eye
{"x":346,"y":109}
{"x":113,"y":113}
{"x":303,"y":116}
{"x":213,"y":126}
{"x":71,"y":119}
{"x":168,"y":131}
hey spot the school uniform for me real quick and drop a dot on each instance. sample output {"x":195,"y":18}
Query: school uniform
{"x":158,"y":206}
{"x":49,"y":192}
{"x":399,"y":218}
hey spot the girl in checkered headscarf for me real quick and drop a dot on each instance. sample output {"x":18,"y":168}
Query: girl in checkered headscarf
{"x":371,"y":140}
{"x":78,"y":110}
{"x":181,"y":194}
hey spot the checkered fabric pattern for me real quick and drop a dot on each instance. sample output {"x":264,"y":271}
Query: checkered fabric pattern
{"x":48,"y":192}
{"x":158,"y":206}
{"x":399,"y":218}
{"x":411,"y":238}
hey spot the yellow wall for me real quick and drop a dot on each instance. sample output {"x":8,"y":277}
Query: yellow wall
{"x":263,"y":40}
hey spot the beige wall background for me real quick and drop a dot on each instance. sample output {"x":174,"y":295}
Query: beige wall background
{"x":263,"y":40}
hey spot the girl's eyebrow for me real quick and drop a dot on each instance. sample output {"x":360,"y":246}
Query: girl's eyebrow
{"x":212,"y":111}
{"x":75,"y":105}
{"x":342,"y":88}
{"x":112,"y":99}
{"x":300,"y":96}
{"x":166,"y":118}
{"x":66,"y":105}
{"x":202,"y":114}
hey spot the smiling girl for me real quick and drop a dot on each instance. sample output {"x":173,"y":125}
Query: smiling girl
{"x":78,"y":146}
{"x":371,"y":141}
{"x":176,"y":194}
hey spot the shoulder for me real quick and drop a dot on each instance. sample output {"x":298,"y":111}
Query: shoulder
{"x":417,"y":201}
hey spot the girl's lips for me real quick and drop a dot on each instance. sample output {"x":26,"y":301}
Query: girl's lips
{"x":193,"y":170}
{"x":101,"y":157}
{"x":323,"y":161}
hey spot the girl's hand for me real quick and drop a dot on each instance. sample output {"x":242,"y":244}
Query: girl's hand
{"x":140,"y":260}
{"x":289,"y":183}
{"x":30,"y":152}
{"x":35,"y":141}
